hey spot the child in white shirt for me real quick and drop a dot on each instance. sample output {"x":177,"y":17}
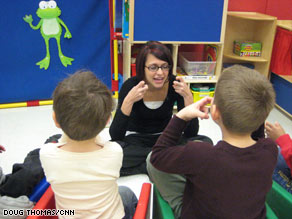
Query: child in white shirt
{"x":82,"y":168}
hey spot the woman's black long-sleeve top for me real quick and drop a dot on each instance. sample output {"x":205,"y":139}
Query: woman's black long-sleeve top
{"x":148,"y":121}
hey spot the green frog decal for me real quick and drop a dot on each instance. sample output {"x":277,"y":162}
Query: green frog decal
{"x":50,"y":27}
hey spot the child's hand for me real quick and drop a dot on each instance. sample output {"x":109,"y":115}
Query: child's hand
{"x":2,"y":149}
{"x":274,"y":131}
{"x":197,"y":109}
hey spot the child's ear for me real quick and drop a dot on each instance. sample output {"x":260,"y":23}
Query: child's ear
{"x":55,"y":120}
{"x":215,"y":113}
{"x":109,"y":120}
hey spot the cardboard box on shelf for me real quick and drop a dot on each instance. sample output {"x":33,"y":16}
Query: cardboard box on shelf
{"x":247,"y":48}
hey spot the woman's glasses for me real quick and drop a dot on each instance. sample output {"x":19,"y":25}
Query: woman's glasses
{"x":154,"y":68}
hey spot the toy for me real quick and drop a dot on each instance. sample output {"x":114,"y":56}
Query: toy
{"x":50,"y":27}
{"x":211,"y":53}
{"x":125,"y":19}
{"x":247,"y":48}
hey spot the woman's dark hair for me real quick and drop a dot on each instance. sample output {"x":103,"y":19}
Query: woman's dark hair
{"x":157,"y":49}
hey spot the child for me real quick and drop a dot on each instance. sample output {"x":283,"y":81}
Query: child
{"x":232,"y":178}
{"x":283,"y":171}
{"x":2,"y":149}
{"x":83,"y":169}
{"x":2,"y":176}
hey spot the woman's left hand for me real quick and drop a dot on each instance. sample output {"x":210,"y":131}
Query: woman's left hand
{"x":181,"y":87}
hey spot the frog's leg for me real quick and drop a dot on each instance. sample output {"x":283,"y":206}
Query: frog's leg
{"x":46,"y":61}
{"x":64,"y":59}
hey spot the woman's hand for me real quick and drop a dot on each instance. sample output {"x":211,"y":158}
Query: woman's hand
{"x":274,"y":131}
{"x":195,"y":110}
{"x":135,"y":94}
{"x":181,"y":87}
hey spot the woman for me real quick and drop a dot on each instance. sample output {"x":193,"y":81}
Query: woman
{"x":145,"y":106}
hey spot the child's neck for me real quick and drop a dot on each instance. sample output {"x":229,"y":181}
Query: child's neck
{"x":81,"y":146}
{"x":238,"y":140}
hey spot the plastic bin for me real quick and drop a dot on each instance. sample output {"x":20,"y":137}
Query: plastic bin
{"x":163,"y":210}
{"x":200,"y":91}
{"x":193,"y":64}
{"x":280,"y":201}
{"x":47,"y":201}
{"x":39,"y":190}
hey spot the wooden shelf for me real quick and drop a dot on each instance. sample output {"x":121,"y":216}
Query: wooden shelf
{"x":286,"y":24}
{"x":250,"y":15}
{"x":244,"y":58}
{"x":287,"y":77}
{"x":283,"y":83}
{"x":284,"y":111}
{"x":196,"y":79}
{"x":250,"y":26}
{"x":179,"y":42}
{"x":172,"y":27}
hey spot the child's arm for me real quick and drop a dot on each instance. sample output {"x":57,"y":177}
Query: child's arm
{"x":278,"y":134}
{"x":192,"y":127}
{"x":274,"y":131}
{"x":167,"y":155}
{"x":195,"y":110}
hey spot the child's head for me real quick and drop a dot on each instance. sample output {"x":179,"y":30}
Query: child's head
{"x":82,"y":105}
{"x":244,"y":98}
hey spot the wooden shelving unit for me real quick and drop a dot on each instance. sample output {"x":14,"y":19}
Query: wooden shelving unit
{"x":286,"y":24}
{"x":283,"y":83}
{"x":254,"y":27}
{"x":176,"y":26}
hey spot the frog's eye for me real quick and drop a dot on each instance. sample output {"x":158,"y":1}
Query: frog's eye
{"x":52,"y":4}
{"x":43,"y":5}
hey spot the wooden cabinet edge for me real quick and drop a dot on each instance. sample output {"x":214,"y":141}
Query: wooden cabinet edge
{"x":251,"y":16}
{"x":284,"y":111}
{"x":244,"y":58}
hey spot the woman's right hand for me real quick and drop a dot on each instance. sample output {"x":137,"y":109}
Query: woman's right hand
{"x":135,"y":94}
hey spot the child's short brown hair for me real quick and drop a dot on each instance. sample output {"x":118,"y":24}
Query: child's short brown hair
{"x":82,"y":105}
{"x":244,"y":98}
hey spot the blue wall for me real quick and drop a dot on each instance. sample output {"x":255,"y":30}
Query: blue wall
{"x":22,"y":47}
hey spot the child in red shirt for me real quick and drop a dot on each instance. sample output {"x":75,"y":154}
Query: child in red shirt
{"x":283,"y":171}
{"x":2,"y":176}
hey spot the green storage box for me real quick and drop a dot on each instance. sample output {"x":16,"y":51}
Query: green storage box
{"x":247,"y":48}
{"x":280,"y":201}
{"x":162,"y":210}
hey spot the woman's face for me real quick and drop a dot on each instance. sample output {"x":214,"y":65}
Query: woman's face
{"x":156,"y":77}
